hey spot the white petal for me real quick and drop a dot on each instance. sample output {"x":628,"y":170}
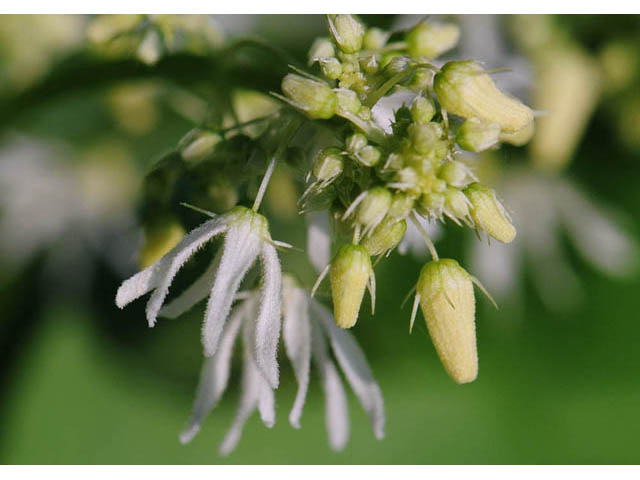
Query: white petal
{"x":296,"y":333}
{"x":318,"y":239}
{"x":240,"y":249}
{"x":215,"y":375}
{"x":496,"y":265}
{"x":141,"y":283}
{"x":267,"y":328}
{"x":177,"y":257}
{"x":355,"y":368}
{"x":336,"y":409}
{"x":196,"y":292}
{"x":267,"y":404}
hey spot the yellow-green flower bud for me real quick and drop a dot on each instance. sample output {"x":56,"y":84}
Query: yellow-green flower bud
{"x":368,"y":156}
{"x":456,"y":174}
{"x":433,"y":203}
{"x":397,"y":64}
{"x":158,"y":240}
{"x":489,"y":214}
{"x":430,"y":40}
{"x":385,"y":237}
{"x":375,"y":39}
{"x":200,"y":146}
{"x":464,"y":88}
{"x":448,"y":304}
{"x":349,"y":274}
{"x":401,"y":206}
{"x":369,"y":64}
{"x":355,"y":143}
{"x":347,"y":32}
{"x":314,"y":98}
{"x":521,"y":137}
{"x":422,"y":109}
{"x":328,"y":164}
{"x":348,"y":100}
{"x":373,"y":207}
{"x":331,"y":67}
{"x":456,"y":204}
{"x":395,"y":161}
{"x":425,"y":136}
{"x":321,"y":48}
{"x":476,"y":136}
{"x":407,"y":179}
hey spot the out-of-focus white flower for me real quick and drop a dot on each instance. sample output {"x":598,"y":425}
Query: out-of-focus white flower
{"x":308,"y":332}
{"x":413,"y":240}
{"x":542,"y":206}
{"x":246,"y":237}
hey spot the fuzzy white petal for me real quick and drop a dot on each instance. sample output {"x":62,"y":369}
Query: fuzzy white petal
{"x":318,"y":239}
{"x":267,"y":328}
{"x":296,"y":333}
{"x":267,"y":404}
{"x":196,"y":292}
{"x":215,"y":375}
{"x":141,"y":283}
{"x":355,"y":367}
{"x":240,"y":249}
{"x":193,"y":241}
{"x":336,"y":408}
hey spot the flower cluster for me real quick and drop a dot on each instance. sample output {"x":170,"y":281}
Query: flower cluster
{"x":370,"y":179}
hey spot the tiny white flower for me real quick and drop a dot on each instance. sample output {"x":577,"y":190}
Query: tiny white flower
{"x":246,"y":237}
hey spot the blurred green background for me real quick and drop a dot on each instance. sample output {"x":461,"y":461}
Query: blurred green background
{"x":83,"y":382}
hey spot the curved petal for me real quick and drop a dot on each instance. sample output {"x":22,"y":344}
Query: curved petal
{"x":196,"y":292}
{"x":336,"y":409}
{"x":214,"y":375}
{"x":240,"y":249}
{"x":193,"y":241}
{"x":267,"y":328}
{"x":296,"y":332}
{"x":318,"y":239}
{"x":355,"y":367}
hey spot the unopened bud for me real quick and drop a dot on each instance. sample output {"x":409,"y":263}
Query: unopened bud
{"x":374,"y":207}
{"x":425,"y":136}
{"x":347,"y":32}
{"x":368,"y":156}
{"x":489,"y":214}
{"x":321,"y":48}
{"x":348,"y":100}
{"x":432,"y":203}
{"x":521,"y":137}
{"x":456,"y":204}
{"x":328,"y":164}
{"x":350,"y":272}
{"x":200,"y":145}
{"x":430,"y":40}
{"x":476,"y":136}
{"x":331,"y":67}
{"x":355,"y":143}
{"x":314,"y":98}
{"x":422,"y":110}
{"x":464,"y":88}
{"x":375,"y":39}
{"x":448,"y":304}
{"x":401,"y":206}
{"x":385,"y":237}
{"x":456,"y":174}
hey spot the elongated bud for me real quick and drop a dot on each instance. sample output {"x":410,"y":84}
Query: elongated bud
{"x":200,"y":145}
{"x":401,"y":206}
{"x":375,"y":39}
{"x":385,"y":237}
{"x":348,"y":101}
{"x":350,"y":273}
{"x":374,"y":207}
{"x":430,"y":40}
{"x":489,"y":214}
{"x":422,"y":110}
{"x":321,"y":48}
{"x":347,"y":32}
{"x":158,"y":240}
{"x":476,"y":136}
{"x":355,"y":143}
{"x":521,"y":137}
{"x":464,"y":88}
{"x":328,"y":164}
{"x":368,"y":156}
{"x":448,"y":304}
{"x":456,"y":204}
{"x":456,"y":174}
{"x":314,"y":98}
{"x":425,"y":136}
{"x":331,"y":67}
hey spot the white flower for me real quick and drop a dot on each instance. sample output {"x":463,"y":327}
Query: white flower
{"x":308,"y":331}
{"x":413,"y":241}
{"x":542,"y":207}
{"x":246,"y":237}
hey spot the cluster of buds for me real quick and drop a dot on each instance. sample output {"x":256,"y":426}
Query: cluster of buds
{"x":373,"y":181}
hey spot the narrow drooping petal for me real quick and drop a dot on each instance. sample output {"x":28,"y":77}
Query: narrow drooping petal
{"x":355,"y":367}
{"x":267,"y":328}
{"x":336,"y":410}
{"x":196,"y":292}
{"x":240,"y":249}
{"x":177,"y":257}
{"x":296,"y":333}
{"x":214,"y":375}
{"x":267,"y":404}
{"x":141,"y":283}
{"x":318,"y":239}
